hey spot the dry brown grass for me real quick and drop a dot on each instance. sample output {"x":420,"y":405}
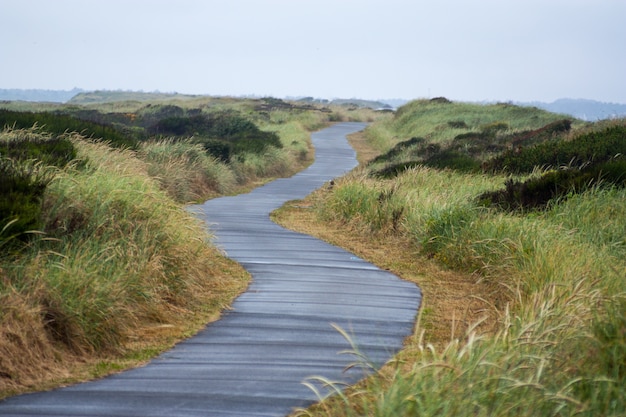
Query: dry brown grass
{"x":32,"y":360}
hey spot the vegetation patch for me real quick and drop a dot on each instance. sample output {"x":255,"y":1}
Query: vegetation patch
{"x":537,"y":193}
{"x":101,"y":266}
{"x":551,"y":330}
{"x":59,"y":124}
{"x":588,"y":160}
{"x":25,"y":160}
{"x":588,"y":148}
{"x":223,"y":134}
{"x":114,"y":256}
{"x":22,"y":187}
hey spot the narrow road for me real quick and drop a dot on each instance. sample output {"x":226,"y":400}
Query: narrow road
{"x":254,"y":360}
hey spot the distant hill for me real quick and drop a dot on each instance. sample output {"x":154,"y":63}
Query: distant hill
{"x":108,"y":96}
{"x":354,"y":102}
{"x":583,"y":109}
{"x":588,"y":110}
{"x":53,"y":96}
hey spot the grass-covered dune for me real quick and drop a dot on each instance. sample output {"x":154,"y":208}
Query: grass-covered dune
{"x":524,"y":310}
{"x":111,"y":270}
{"x":101,"y":266}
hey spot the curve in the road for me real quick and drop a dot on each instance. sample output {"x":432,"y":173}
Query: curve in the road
{"x":254,"y":360}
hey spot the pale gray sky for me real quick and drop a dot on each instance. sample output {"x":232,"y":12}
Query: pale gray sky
{"x":467,"y":50}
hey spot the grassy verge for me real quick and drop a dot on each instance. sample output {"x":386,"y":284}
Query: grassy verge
{"x":118,"y":272}
{"x":540,"y":295}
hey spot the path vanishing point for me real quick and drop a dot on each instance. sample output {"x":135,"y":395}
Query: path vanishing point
{"x":278,"y":335}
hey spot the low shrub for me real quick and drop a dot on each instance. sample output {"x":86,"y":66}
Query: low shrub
{"x":25,"y":159}
{"x":453,"y":159}
{"x":223,"y":134}
{"x":538,"y":192}
{"x":399,"y":149}
{"x":59,"y":124}
{"x":491,"y":129}
{"x":24,"y":146}
{"x":22,"y":186}
{"x":394,"y":170}
{"x":458,"y":124}
{"x":592,"y":147}
{"x":219,"y":149}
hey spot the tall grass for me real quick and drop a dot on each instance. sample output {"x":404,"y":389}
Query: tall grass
{"x":186,"y":171}
{"x":118,"y":257}
{"x":411,"y":203}
{"x":271,"y":164}
{"x":560,"y":341}
{"x":115,"y":224}
{"x":558,"y":277}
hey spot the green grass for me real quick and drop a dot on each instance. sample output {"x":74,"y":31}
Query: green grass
{"x":558,"y":275}
{"x":115,"y":250}
{"x":444,"y":134}
{"x":115,"y":256}
{"x":439,"y":121}
{"x":186,"y":171}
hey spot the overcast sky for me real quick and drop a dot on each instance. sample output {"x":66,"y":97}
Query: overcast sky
{"x":466,"y":50}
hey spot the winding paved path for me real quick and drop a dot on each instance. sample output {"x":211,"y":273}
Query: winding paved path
{"x":253,"y":361}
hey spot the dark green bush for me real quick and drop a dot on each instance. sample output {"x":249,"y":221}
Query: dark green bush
{"x":400,"y":148}
{"x":21,"y":192}
{"x":536,"y":193}
{"x":217,"y":148}
{"x":472,"y":136}
{"x":177,"y":126}
{"x":458,"y":124}
{"x":58,"y":124}
{"x":492,"y":129}
{"x":23,"y":180}
{"x":220,"y":125}
{"x":593,"y":147}
{"x":394,"y":170}
{"x":430,"y":154}
{"x":223,"y":134}
{"x":453,"y":159}
{"x":477,"y":144}
{"x":49,"y":151}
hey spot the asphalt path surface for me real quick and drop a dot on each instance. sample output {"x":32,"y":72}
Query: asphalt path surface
{"x":282,"y":332}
